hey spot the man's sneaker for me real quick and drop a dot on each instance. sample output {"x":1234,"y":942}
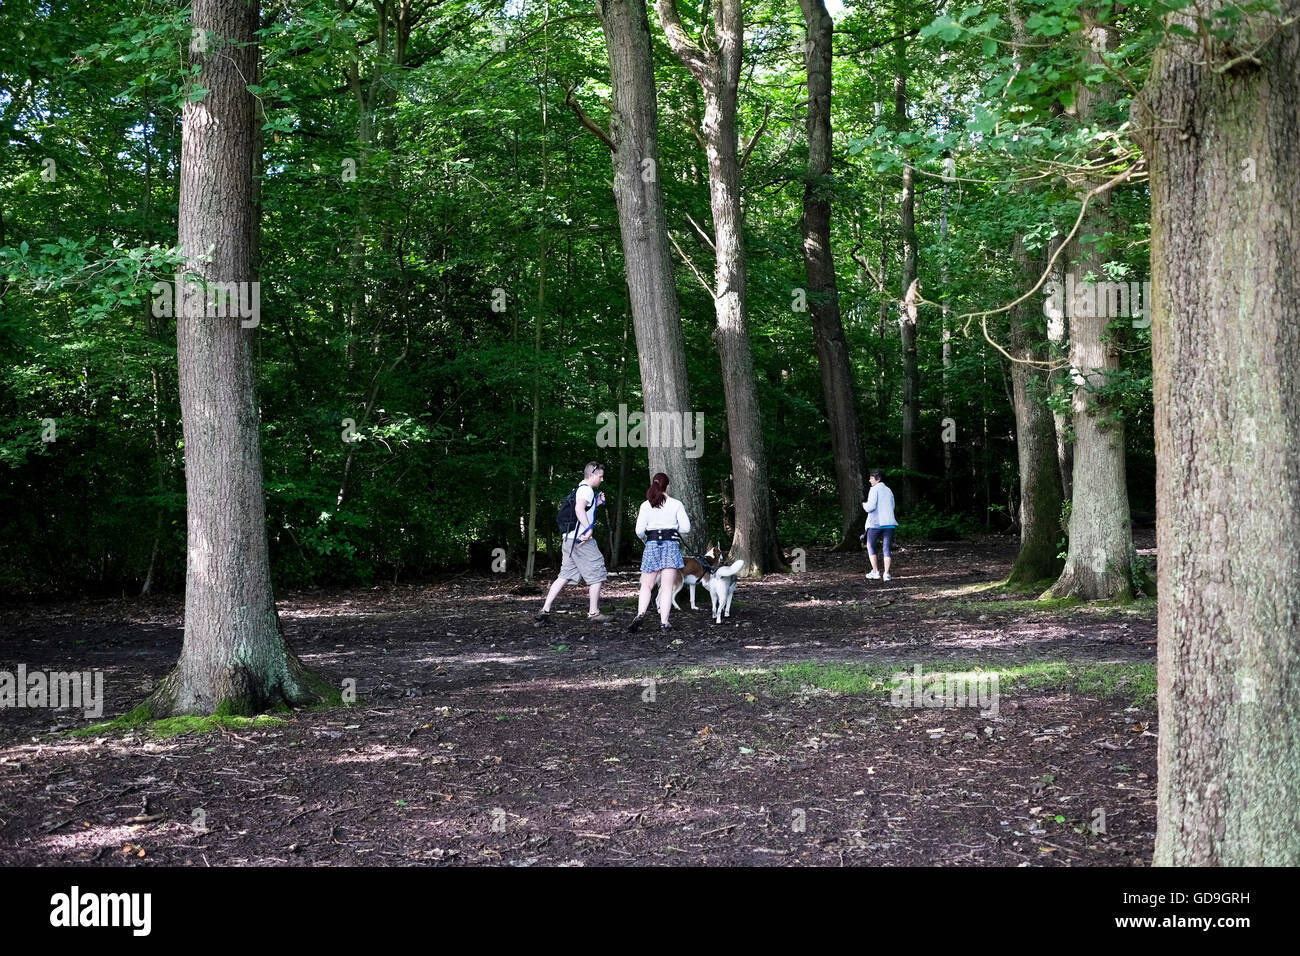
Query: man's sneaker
{"x":636,"y":622}
{"x":873,"y":576}
{"x":543,"y":617}
{"x":599,"y":618}
{"x":887,"y":577}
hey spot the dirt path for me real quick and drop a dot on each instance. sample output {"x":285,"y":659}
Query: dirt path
{"x":480,"y":738}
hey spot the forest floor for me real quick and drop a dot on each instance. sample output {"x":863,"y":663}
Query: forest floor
{"x":478,"y":737}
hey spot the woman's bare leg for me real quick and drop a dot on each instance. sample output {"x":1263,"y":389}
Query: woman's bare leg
{"x":667,"y":577}
{"x":647,"y":583}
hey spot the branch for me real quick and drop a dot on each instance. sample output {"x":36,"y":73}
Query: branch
{"x":866,"y":265}
{"x":703,"y":235}
{"x":744,"y":156}
{"x":692,"y":54}
{"x":586,"y":120}
{"x":707,"y":287}
{"x":876,"y":46}
{"x":1136,"y":171}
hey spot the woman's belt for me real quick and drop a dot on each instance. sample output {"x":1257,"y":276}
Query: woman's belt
{"x":665,"y":534}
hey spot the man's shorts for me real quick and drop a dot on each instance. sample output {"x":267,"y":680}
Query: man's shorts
{"x":583,"y":560}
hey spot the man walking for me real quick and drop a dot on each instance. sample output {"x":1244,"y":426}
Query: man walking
{"x":879,"y":507}
{"x":582,"y":557}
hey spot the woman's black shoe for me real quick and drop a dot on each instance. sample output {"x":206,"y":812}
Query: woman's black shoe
{"x":665,"y":626}
{"x":636,"y":622}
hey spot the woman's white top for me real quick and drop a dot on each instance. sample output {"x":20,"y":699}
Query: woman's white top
{"x":668,"y":515}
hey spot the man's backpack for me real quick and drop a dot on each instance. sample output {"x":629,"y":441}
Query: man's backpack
{"x":567,"y":514}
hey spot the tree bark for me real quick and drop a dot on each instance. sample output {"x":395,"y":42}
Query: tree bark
{"x":1225,"y":332}
{"x":652,"y":287}
{"x":718,"y":72}
{"x":234,"y":658}
{"x":908,"y":311}
{"x":1040,"y":477}
{"x":1058,"y":337}
{"x":1099,"y":561}
{"x":1037,"y":451}
{"x":543,"y":254}
{"x":946,"y":338}
{"x":838,"y":391}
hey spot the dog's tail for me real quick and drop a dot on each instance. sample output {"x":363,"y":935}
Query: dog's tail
{"x":731,"y":570}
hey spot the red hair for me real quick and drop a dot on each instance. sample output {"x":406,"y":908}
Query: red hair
{"x":656,"y":493}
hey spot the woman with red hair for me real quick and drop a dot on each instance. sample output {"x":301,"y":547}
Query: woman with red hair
{"x":660,"y":523}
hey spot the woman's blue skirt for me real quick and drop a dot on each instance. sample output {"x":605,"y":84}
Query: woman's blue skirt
{"x":661,"y":554}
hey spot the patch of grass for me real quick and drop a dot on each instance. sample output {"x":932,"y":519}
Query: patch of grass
{"x":139,"y":719}
{"x":1136,"y":608}
{"x":330,"y":696}
{"x":1021,"y":604}
{"x":1126,"y":680}
{"x":840,"y":677}
{"x":1130,"y":681}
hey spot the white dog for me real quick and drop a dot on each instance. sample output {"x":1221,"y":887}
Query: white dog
{"x":722,"y":586}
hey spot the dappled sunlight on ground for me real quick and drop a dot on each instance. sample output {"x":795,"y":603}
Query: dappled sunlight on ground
{"x":481,"y":738}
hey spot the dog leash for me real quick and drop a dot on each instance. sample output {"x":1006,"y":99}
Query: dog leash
{"x":595,"y":504}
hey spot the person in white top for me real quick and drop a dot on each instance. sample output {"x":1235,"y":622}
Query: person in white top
{"x":881,"y":522}
{"x":660,"y":524}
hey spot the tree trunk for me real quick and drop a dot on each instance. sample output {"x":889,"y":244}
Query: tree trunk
{"x":882,"y":322}
{"x":543,"y":252}
{"x":234,"y":658}
{"x":908,"y":313}
{"x":1058,"y":335}
{"x":155,"y":330}
{"x":624,"y":455}
{"x":838,"y":390}
{"x":1099,"y":562}
{"x":718,"y":73}
{"x":1225,"y":331}
{"x":1037,"y":451}
{"x":652,"y":287}
{"x":1040,"y":477}
{"x":948,"y":477}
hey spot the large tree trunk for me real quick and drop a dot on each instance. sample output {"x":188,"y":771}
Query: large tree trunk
{"x":652,"y":288}
{"x":946,"y":337}
{"x":1100,"y":555}
{"x":838,"y":390}
{"x":543,"y":253}
{"x":1058,"y":337}
{"x":1037,"y":450}
{"x":718,"y":73}
{"x":1225,"y":331}
{"x":1040,"y":476}
{"x":234,"y":657}
{"x":907,"y":319}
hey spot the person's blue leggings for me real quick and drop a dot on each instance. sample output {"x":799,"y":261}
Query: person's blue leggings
{"x":886,"y":536}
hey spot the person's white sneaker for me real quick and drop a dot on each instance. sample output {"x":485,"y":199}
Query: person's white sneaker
{"x":873,"y":576}
{"x":887,"y":577}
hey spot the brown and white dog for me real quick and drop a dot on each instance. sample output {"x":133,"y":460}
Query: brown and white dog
{"x":693,"y":573}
